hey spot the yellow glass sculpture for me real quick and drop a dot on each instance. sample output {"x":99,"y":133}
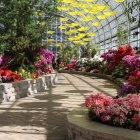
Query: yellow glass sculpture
{"x":74,"y":24}
{"x":51,"y":32}
{"x":120,"y":0}
{"x":83,"y":43}
{"x":59,"y":44}
{"x":80,"y":42}
{"x":68,"y":33}
{"x":88,"y":18}
{"x":87,"y":0}
{"x":80,"y":35}
{"x":102,"y":17}
{"x":84,"y":28}
{"x":91,"y":34}
{"x":99,"y":7}
{"x":72,"y":38}
{"x":90,"y":0}
{"x":66,"y":1}
{"x":64,"y":8}
{"x":76,"y":13}
{"x":87,"y":39}
{"x":73,"y":30}
{"x":111,"y":13}
{"x":50,"y":40}
{"x":81,"y":5}
{"x":97,"y":24}
{"x":62,"y":27}
{"x":76,"y":42}
{"x":92,"y":11}
{"x":64,"y":19}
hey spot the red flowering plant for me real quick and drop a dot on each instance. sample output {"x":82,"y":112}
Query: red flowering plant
{"x":134,"y":79}
{"x":9,"y":76}
{"x":33,"y":76}
{"x":109,"y":61}
{"x":124,"y":112}
{"x":96,"y":71}
{"x":133,"y":84}
{"x":113,"y":60}
{"x":44,"y":65}
{"x":123,"y":51}
{"x":71,"y":65}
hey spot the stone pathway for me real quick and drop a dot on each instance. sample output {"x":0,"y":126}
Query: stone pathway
{"x":43,"y":116}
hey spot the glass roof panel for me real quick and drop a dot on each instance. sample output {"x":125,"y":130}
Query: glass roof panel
{"x":108,"y":28}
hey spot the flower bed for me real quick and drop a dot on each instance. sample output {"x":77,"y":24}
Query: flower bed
{"x":121,"y":63}
{"x":80,"y":127}
{"x":23,"y":88}
{"x":130,"y":100}
{"x":124,"y":112}
{"x":40,"y":64}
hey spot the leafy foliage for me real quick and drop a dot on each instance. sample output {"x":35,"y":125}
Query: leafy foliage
{"x":22,"y":28}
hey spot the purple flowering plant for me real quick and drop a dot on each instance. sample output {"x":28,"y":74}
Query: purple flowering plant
{"x":128,"y":88}
{"x":131,"y":62}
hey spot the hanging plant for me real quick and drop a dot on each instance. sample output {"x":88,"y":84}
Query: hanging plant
{"x":131,"y":7}
{"x":122,"y":34}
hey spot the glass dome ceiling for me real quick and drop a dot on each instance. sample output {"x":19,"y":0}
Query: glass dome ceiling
{"x":99,"y":20}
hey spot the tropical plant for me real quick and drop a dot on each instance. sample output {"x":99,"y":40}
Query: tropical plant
{"x":22,"y":27}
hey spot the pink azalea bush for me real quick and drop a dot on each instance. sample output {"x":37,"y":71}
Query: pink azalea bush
{"x":45,"y":63}
{"x":123,"y":112}
{"x":96,"y":71}
{"x":71,"y":65}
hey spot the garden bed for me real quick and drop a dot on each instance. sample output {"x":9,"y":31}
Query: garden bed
{"x":80,"y":127}
{"x":15,"y":90}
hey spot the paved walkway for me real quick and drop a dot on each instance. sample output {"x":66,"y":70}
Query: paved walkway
{"x":43,"y":116}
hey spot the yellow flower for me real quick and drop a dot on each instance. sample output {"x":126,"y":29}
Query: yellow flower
{"x":83,"y":70}
{"x":23,"y":71}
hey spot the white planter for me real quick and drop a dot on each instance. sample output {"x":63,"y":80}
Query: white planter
{"x":16,"y":90}
{"x":80,"y":127}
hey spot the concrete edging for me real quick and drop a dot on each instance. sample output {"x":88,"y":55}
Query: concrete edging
{"x":15,"y":90}
{"x":80,"y":127}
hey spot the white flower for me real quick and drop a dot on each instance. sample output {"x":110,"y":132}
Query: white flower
{"x":97,"y":58}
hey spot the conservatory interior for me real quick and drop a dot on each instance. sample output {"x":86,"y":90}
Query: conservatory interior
{"x":70,"y":69}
